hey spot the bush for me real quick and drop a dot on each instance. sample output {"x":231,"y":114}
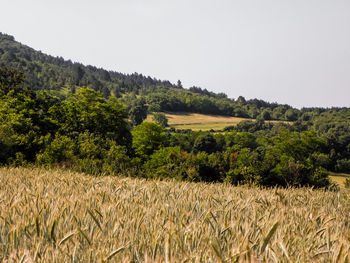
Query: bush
{"x":147,"y":138}
{"x":292,"y":173}
{"x":321,"y":159}
{"x":171,"y":162}
{"x":160,"y":119}
{"x":60,"y":151}
{"x":200,"y":168}
{"x":116,"y":160}
{"x":205,"y":143}
{"x":243,"y":168}
{"x":90,"y":146}
{"x":343,"y":166}
{"x":167,"y":162}
{"x":320,"y":178}
{"x":6,"y":144}
{"x":347,"y":183}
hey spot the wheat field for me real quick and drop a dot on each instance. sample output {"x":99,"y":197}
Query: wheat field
{"x":61,"y":216}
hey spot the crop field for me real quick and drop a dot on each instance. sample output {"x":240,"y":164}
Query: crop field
{"x":196,"y":121}
{"x":60,"y":216}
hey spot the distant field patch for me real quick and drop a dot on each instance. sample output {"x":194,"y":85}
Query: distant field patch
{"x":204,"y":122}
{"x":339,"y":178}
{"x":197,"y":121}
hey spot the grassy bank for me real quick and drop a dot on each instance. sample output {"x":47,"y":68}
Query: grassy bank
{"x":59,"y":216}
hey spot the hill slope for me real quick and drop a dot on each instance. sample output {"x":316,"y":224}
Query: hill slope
{"x":48,"y":72}
{"x":54,"y":73}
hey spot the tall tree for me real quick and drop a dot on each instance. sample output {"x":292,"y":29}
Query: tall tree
{"x":147,"y":138}
{"x":88,"y":111}
{"x":160,"y":118}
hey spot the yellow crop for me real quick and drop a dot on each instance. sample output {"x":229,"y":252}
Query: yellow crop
{"x":60,"y":216}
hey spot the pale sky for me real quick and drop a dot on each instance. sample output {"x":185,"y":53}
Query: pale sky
{"x":287,"y":51}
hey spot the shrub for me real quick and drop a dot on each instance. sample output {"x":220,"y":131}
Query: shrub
{"x":343,"y":166}
{"x":171,"y":162}
{"x":291,"y":172}
{"x":347,"y":183}
{"x":147,"y":138}
{"x":320,"y":178}
{"x":166,"y":162}
{"x":205,"y":143}
{"x":60,"y":150}
{"x":116,"y":160}
{"x":160,"y":119}
{"x":199,"y":168}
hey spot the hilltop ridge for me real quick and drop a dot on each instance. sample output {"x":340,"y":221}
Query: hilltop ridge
{"x":45,"y":72}
{"x":55,"y":73}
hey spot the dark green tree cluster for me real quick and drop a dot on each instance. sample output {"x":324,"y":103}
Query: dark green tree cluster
{"x":85,"y":130}
{"x":268,"y":158}
{"x":55,"y":73}
{"x":137,"y":110}
{"x":334,"y":126}
{"x":182,"y":100}
{"x":161,"y":119}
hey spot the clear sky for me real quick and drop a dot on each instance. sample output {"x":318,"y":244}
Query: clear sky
{"x":286,"y":51}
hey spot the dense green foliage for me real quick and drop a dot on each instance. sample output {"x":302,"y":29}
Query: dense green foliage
{"x":84,"y":129}
{"x":89,"y":133}
{"x":147,"y":138}
{"x":160,"y":118}
{"x":48,"y":72}
{"x":46,"y":118}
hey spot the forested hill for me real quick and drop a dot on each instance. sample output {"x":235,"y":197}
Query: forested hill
{"x":33,"y":121}
{"x":55,"y":73}
{"x":45,"y":72}
{"x":48,"y":72}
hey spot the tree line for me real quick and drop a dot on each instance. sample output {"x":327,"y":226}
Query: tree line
{"x":87,"y":132}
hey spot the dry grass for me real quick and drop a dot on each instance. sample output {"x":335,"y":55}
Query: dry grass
{"x":339,"y":178}
{"x":59,"y":216}
{"x":204,"y":122}
{"x":196,"y":121}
